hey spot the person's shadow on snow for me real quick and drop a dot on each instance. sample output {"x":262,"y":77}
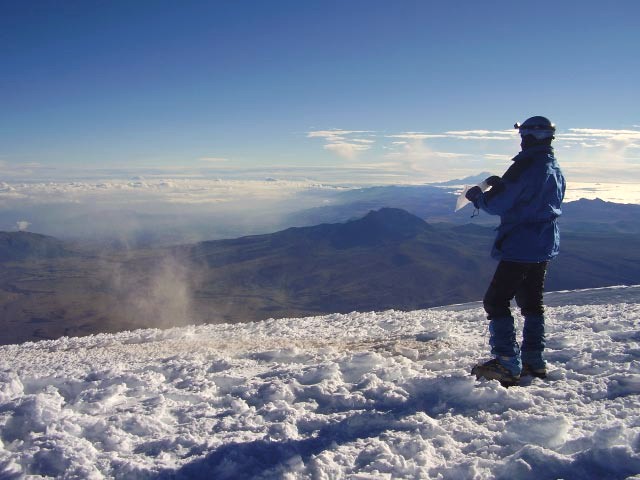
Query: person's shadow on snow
{"x":455,"y":394}
{"x":256,"y":458}
{"x":269,"y":458}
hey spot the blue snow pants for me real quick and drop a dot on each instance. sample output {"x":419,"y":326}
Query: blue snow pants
{"x":525,"y":282}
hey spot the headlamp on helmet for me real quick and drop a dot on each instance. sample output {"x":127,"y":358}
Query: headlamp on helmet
{"x":539,"y":127}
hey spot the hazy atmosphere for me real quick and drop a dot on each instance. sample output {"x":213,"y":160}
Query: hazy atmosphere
{"x":155,"y":125}
{"x":332,"y":91}
{"x":252,"y":239}
{"x":202,"y":120}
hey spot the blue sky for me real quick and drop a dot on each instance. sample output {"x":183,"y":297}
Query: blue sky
{"x":405,"y":90}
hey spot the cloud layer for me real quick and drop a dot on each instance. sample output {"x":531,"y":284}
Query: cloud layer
{"x":611,"y":155}
{"x":217,"y":199}
{"x":164,"y":210}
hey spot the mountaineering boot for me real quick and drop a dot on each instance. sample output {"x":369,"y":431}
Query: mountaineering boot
{"x":529,"y":370}
{"x":499,"y":369}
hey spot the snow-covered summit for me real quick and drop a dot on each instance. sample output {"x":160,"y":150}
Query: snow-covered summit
{"x":361,"y":395}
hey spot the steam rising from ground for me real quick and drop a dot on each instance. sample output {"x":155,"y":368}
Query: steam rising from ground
{"x":165,"y":296}
{"x":154,"y":291}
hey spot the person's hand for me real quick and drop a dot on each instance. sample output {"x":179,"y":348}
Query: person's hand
{"x":473,"y":194}
{"x":493,"y":180}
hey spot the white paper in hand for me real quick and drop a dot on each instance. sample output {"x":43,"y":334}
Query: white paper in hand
{"x":462,"y":200}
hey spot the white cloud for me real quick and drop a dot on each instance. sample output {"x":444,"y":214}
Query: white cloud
{"x":342,"y":142}
{"x":440,"y":154}
{"x":495,"y":156}
{"x":153,"y":192}
{"x":349,"y":144}
{"x":5,"y":187}
{"x":450,"y":154}
{"x":386,"y":167}
{"x":459,"y":135}
{"x":417,"y":159}
{"x":479,"y":132}
{"x":417,"y":135}
{"x":482,"y":134}
{"x":606,"y":133}
{"x":615,"y":146}
{"x":213,"y":159}
{"x":158,"y":209}
{"x":22,"y":225}
{"x":330,"y":134}
{"x":346,"y":150}
{"x":601,"y":137}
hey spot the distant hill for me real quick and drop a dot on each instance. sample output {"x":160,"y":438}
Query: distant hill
{"x":387,"y":259}
{"x":384,"y":226}
{"x":428,"y":202}
{"x":599,"y":215}
{"x":18,"y":246}
{"x":437,"y":203}
{"x":471,"y":180}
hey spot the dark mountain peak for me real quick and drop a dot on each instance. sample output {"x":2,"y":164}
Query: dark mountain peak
{"x":597,"y":202}
{"x":396,"y":220}
{"x":600,"y":210}
{"x":471,"y":180}
{"x":590,"y":201}
{"x":23,"y":245}
{"x":387,"y":225}
{"x":378,"y":227}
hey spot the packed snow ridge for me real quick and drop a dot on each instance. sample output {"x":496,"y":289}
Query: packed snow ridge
{"x":361,"y":396}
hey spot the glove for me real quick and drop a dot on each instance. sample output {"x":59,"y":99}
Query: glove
{"x":493,"y":180}
{"x":473,"y":194}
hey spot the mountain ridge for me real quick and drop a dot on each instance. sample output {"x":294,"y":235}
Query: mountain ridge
{"x":436,"y":204}
{"x":16,"y":246}
{"x":388,"y":259}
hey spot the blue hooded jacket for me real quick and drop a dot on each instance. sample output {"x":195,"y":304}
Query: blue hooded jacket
{"x":528,"y":199}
